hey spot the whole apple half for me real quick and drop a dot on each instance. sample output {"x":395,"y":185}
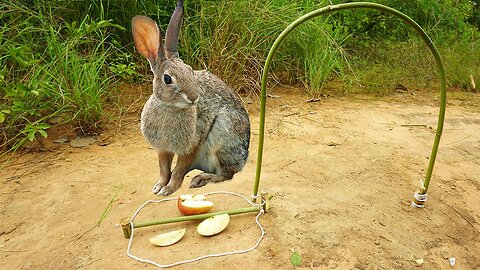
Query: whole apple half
{"x":213,"y":225}
{"x":193,"y":204}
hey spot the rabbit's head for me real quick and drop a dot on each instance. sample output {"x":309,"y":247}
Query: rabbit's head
{"x":173,"y":82}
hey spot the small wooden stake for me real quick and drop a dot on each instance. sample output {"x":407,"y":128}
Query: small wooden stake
{"x":266,"y":200}
{"x":126,"y":227}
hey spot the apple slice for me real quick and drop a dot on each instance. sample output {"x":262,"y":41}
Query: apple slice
{"x":168,"y":238}
{"x":213,"y":225}
{"x":193,"y":204}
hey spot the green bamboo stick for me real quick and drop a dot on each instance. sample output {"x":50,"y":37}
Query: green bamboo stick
{"x":329,"y":9}
{"x":195,"y":217}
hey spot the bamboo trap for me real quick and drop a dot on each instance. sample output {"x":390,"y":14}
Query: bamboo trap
{"x":127,"y":225}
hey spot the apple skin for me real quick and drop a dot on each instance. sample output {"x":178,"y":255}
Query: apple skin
{"x":193,"y":204}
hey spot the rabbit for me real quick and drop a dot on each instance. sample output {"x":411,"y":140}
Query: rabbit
{"x":192,"y":114}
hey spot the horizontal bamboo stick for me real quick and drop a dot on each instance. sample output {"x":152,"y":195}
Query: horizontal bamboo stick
{"x":195,"y":217}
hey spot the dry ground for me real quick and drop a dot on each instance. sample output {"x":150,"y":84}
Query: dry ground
{"x":342,"y":172}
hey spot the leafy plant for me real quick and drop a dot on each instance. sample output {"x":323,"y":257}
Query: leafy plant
{"x":124,"y":66}
{"x":31,"y":130}
{"x":3,"y":112}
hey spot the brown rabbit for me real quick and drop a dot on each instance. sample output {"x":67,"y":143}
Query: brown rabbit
{"x":191,"y":114}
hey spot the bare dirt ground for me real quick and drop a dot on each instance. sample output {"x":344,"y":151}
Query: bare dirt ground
{"x":342,"y":172}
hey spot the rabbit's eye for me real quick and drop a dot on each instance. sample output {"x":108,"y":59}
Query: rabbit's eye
{"x":167,"y":79}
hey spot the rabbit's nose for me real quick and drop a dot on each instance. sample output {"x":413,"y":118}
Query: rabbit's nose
{"x":193,"y":97}
{"x":195,"y":101}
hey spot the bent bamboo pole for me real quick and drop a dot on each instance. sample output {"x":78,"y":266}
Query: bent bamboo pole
{"x":330,"y":9}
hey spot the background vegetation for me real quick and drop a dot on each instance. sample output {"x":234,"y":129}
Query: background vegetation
{"x":65,"y":58}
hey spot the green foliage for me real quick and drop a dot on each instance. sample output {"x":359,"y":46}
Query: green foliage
{"x":60,"y":57}
{"x":442,"y":19}
{"x":3,"y":114}
{"x":232,"y":38}
{"x":462,"y":62}
{"x":324,"y":56}
{"x":48,"y":68}
{"x":123,"y":66}
{"x":386,"y":53}
{"x":31,"y":130}
{"x":367,"y":50}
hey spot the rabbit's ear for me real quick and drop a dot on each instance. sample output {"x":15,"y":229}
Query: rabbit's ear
{"x":173,"y":30}
{"x":147,"y":39}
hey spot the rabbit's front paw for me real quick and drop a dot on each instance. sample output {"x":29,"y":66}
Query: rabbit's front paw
{"x":157,"y":188}
{"x":167,"y":190}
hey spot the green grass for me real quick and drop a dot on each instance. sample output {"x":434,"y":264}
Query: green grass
{"x":63,"y":58}
{"x":384,"y":66}
{"x":232,"y":38}
{"x":324,"y":57}
{"x":462,"y":60}
{"x":367,"y":51}
{"x":50,"y":68}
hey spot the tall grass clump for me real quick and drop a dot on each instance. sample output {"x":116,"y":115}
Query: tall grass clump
{"x":232,"y":38}
{"x":324,"y":56}
{"x":49,"y":68}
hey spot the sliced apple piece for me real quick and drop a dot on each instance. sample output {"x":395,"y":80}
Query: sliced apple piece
{"x":192,"y":197}
{"x":213,"y":225}
{"x":168,"y":238}
{"x":193,"y":204}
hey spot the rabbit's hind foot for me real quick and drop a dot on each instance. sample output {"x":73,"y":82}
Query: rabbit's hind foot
{"x":204,"y":178}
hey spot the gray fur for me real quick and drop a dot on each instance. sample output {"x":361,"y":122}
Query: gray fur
{"x":197,"y":117}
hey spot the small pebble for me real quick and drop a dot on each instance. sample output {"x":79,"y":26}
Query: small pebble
{"x":419,"y":262}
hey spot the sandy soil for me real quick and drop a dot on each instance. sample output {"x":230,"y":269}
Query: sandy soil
{"x":342,"y":172}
